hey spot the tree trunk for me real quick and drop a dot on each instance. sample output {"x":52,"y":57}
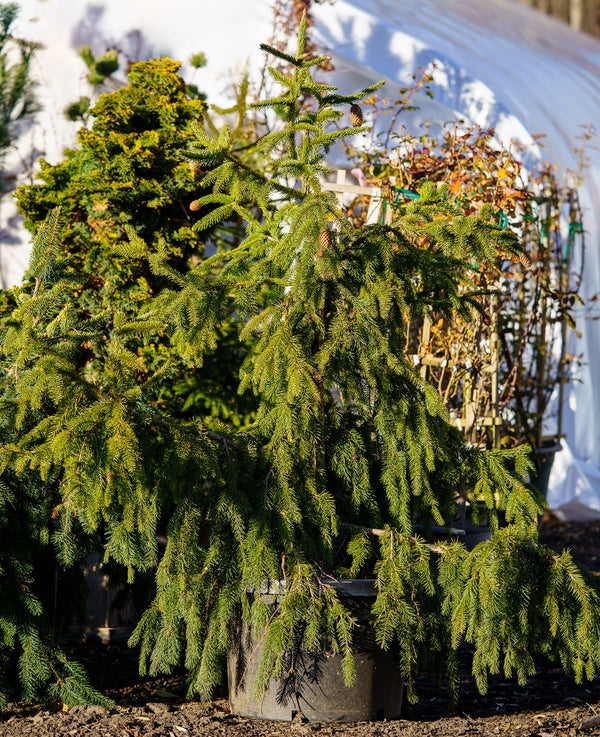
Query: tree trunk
{"x":583,"y":15}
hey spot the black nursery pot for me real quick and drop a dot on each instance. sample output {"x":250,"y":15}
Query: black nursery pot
{"x":543,"y":459}
{"x":312,"y":683}
{"x":475,"y":532}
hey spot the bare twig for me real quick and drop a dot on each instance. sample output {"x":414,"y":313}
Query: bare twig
{"x":381,"y":533}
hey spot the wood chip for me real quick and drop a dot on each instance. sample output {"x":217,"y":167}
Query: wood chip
{"x":588,"y":723}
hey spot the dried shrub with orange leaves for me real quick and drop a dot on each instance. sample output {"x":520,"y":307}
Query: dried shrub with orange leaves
{"x":499,"y":371}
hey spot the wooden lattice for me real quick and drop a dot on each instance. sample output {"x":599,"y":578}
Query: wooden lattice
{"x":495,"y":372}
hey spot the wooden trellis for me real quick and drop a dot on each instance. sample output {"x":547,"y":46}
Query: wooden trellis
{"x":475,"y":386}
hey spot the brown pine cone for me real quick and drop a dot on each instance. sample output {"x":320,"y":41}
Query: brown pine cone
{"x":324,"y":238}
{"x":356,"y":115}
{"x":525,"y":259}
{"x":196,"y":167}
{"x":194,"y":205}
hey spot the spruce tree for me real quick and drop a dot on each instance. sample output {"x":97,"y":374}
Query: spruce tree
{"x":32,"y":664}
{"x":351,"y":467}
{"x":77,"y":291}
{"x":127,"y":173}
{"x":356,"y":465}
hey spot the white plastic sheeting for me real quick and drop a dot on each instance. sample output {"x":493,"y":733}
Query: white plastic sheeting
{"x":498,"y":64}
{"x":502,"y":65}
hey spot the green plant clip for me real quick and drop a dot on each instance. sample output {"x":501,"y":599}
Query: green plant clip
{"x":502,"y":219}
{"x":399,"y":195}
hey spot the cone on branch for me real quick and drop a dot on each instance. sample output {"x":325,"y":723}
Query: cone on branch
{"x":356,"y":115}
{"x":324,"y":238}
{"x":525,"y":259}
{"x":194,"y":205}
{"x":195,"y":167}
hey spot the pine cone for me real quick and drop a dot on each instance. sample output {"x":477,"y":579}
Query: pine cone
{"x":195,"y":166}
{"x":525,"y":260}
{"x":356,"y":115}
{"x":324,"y":238}
{"x":195,"y":205}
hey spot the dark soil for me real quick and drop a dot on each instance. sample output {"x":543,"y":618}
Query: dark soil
{"x":550,"y":705}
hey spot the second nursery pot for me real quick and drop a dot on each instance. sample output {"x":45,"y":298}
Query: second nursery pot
{"x":312,"y":684}
{"x":543,"y":459}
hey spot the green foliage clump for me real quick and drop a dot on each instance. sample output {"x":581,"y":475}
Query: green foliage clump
{"x":127,"y":178}
{"x":351,"y":468}
{"x":31,"y":662}
{"x":101,"y":67}
{"x":126,"y":171}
